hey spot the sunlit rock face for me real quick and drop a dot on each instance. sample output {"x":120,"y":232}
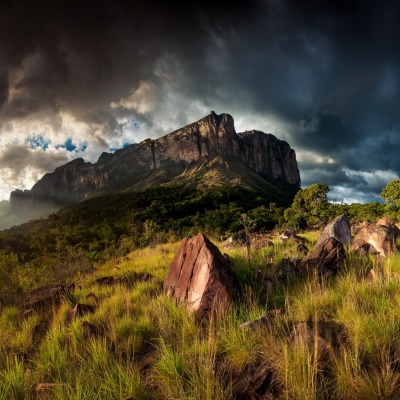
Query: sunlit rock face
{"x":201,"y":277}
{"x":200,"y":141}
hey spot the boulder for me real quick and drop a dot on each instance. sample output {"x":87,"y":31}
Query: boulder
{"x":46,"y":297}
{"x":339,"y":229}
{"x":255,"y":382}
{"x":261,"y":243}
{"x":286,"y":269}
{"x":325,"y":259}
{"x":261,"y":279}
{"x":391,"y":225}
{"x":238,"y":239}
{"x":376,"y":238}
{"x":201,"y":277}
{"x":324,"y":336}
{"x":290,"y":234}
{"x":105,"y":281}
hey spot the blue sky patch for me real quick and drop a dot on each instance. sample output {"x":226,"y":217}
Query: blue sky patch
{"x":37,"y":141}
{"x":68,"y":145}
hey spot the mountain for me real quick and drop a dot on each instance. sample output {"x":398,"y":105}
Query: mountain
{"x":243,"y":158}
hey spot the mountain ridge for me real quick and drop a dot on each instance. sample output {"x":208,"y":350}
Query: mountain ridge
{"x":167,"y":156}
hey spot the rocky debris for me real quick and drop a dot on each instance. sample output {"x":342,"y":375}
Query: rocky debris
{"x":79,"y":310}
{"x":286,"y":235}
{"x":201,"y":277}
{"x":198,"y":142}
{"x":261,"y":278}
{"x":290,"y":234}
{"x":238,"y":239}
{"x":39,"y":332}
{"x":46,"y":297}
{"x":105,"y":281}
{"x":264,"y":320}
{"x":254,"y":383}
{"x":128,"y":279}
{"x":261,"y":243}
{"x":146,"y":357}
{"x":131,"y":278}
{"x":326,"y":259}
{"x":325,"y":335}
{"x":339,"y":229}
{"x":379,"y":238}
{"x":286,"y":269}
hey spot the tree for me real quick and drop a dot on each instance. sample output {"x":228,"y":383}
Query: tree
{"x":391,"y":194}
{"x":310,"y":206}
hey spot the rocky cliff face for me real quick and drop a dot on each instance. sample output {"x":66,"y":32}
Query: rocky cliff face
{"x":203,"y":140}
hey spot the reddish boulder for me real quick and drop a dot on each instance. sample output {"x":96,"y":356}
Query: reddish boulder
{"x":392,"y":226}
{"x":376,"y":238}
{"x":325,"y":259}
{"x":201,"y":277}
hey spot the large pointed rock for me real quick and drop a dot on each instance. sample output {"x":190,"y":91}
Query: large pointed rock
{"x":338,"y":229}
{"x":201,"y":277}
{"x":326,"y":259}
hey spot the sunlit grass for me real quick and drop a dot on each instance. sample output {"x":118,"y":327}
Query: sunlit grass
{"x":192,"y":360}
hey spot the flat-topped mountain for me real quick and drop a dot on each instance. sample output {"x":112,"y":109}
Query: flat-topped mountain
{"x":165,"y":159}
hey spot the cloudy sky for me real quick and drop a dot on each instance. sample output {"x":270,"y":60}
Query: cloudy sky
{"x":81,"y":77}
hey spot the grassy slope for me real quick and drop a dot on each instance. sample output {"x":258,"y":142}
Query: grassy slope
{"x":149,"y":348}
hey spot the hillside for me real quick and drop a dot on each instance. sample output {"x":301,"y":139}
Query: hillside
{"x":330,"y":339}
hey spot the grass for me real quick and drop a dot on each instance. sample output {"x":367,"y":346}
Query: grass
{"x":144,"y":346}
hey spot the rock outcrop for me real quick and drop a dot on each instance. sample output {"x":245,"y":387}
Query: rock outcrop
{"x":203,"y":140}
{"x":376,"y":239}
{"x":326,"y":259}
{"x":339,"y":229}
{"x":46,"y":297}
{"x":201,"y":277}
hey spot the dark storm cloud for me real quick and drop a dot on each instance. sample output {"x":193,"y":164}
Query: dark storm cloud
{"x":16,"y":158}
{"x":80,"y":56}
{"x":328,"y":70}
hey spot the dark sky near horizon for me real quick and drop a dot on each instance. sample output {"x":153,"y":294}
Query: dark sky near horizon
{"x":79,"y":78}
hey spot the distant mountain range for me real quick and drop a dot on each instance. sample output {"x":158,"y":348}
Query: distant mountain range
{"x":208,"y":152}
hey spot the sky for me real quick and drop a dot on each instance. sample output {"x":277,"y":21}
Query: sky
{"x":78,"y":78}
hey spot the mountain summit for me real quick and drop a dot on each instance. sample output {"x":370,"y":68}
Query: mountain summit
{"x":167,"y":159}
